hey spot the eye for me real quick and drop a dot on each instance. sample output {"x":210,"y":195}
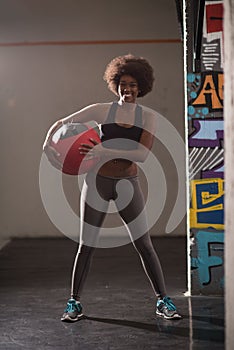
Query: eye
{"x":131,"y":85}
{"x":122,"y":84}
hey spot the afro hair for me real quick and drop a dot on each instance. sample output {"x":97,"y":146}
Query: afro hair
{"x":137,"y":67}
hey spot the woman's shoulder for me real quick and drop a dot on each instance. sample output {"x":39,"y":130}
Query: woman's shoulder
{"x":98,"y":106}
{"x":97,"y":111}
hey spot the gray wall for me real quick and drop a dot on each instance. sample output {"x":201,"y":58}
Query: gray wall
{"x":41,"y":83}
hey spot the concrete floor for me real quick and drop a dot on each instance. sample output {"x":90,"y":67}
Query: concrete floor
{"x":118,"y":301}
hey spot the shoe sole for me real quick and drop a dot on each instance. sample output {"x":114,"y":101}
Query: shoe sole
{"x":67,"y":318}
{"x":174,"y":317}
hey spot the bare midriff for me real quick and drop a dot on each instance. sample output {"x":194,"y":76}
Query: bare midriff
{"x":118,"y":168}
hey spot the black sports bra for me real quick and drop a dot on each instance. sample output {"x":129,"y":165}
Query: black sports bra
{"x":120,"y":137}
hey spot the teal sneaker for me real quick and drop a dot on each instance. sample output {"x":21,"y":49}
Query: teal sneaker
{"x":73,"y":311}
{"x":166,"y":308}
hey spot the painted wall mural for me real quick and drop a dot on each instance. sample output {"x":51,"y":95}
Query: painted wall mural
{"x":208,"y":262}
{"x":205,"y":84}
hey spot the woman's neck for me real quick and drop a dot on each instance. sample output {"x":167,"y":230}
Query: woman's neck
{"x":126,"y":106}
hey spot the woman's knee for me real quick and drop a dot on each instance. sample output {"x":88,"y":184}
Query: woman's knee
{"x":144,"y":245}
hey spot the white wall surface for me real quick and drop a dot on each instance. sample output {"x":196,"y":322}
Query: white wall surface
{"x":42,"y":83}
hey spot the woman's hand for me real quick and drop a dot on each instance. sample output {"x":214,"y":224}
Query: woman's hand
{"x":94,"y":150}
{"x":53,"y":156}
{"x":50,"y":152}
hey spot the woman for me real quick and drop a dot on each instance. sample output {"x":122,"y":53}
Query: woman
{"x":127,"y":137}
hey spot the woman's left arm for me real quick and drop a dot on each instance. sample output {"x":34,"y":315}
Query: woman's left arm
{"x":136,"y":155}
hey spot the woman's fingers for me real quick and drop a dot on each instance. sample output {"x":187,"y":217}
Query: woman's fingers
{"x":89,"y":151}
{"x":52,"y":156}
{"x":94,"y":141}
{"x":85,"y":147}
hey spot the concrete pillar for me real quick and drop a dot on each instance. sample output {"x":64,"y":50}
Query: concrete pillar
{"x":229,"y":169}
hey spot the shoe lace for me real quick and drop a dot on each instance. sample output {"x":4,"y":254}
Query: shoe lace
{"x":72,"y":307}
{"x":169,"y":304}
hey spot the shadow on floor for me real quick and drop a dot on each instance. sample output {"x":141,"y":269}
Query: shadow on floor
{"x":118,"y":301}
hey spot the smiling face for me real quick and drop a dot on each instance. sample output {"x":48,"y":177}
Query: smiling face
{"x":128,"y":89}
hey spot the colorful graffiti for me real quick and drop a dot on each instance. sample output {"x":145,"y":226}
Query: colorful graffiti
{"x":212,"y":43}
{"x":205,"y":88}
{"x":210,"y":92}
{"x":207,"y":261}
{"x":207,"y":204}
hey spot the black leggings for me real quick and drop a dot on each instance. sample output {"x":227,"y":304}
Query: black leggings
{"x":93,"y":207}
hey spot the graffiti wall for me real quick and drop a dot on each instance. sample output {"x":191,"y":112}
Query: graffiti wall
{"x":205,"y":83}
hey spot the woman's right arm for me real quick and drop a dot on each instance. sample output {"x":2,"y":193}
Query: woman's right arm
{"x":94,"y":112}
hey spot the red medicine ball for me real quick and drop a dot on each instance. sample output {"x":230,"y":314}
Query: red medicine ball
{"x":67,"y":140}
